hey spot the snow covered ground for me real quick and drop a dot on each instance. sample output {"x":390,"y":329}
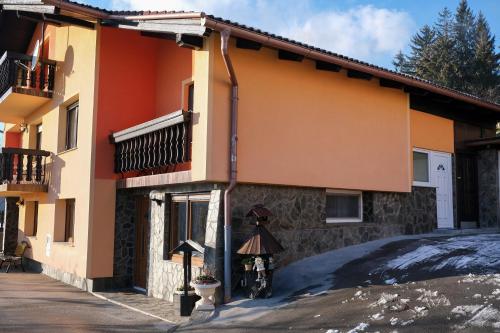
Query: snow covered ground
{"x":478,"y":253}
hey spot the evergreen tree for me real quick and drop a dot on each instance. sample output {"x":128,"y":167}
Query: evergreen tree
{"x":486,"y":76}
{"x":401,"y":63}
{"x":463,"y":29}
{"x":442,"y":67}
{"x":458,"y":52}
{"x":421,"y":52}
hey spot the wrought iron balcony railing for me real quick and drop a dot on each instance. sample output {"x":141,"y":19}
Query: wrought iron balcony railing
{"x":156,"y":144}
{"x":23,"y":166}
{"x":15,"y":74}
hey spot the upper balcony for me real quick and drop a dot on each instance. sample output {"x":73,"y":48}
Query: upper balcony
{"x":22,"y":90}
{"x":23,"y":171}
{"x":159,"y":146}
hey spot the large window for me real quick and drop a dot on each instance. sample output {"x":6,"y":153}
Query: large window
{"x":71,"y":126}
{"x":188,"y":220}
{"x":69,"y":224}
{"x":421,"y":168}
{"x":344,"y":206}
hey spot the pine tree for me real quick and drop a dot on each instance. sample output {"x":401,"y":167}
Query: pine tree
{"x":458,"y":52}
{"x":463,"y":29}
{"x":486,"y":76}
{"x":401,"y":63}
{"x":442,"y":67}
{"x":421,"y":52}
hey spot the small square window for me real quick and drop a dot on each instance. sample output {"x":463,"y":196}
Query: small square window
{"x":420,"y":167}
{"x":344,"y":206}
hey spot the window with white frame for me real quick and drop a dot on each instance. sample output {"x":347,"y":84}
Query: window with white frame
{"x":421,"y":168}
{"x":344,"y":206}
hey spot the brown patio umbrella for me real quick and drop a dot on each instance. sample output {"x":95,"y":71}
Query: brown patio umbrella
{"x":261,"y":242}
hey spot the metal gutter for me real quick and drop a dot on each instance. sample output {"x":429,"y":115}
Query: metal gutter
{"x":164,"y":16}
{"x":318,"y":55}
{"x":224,"y":36}
{"x":71,"y":7}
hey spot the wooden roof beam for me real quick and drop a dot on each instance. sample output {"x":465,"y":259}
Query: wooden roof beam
{"x":327,"y":66}
{"x":290,"y":56}
{"x":353,"y":74}
{"x":391,"y":84}
{"x":247,"y":44}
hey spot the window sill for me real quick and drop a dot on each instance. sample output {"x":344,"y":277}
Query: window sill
{"x":67,"y":151}
{"x":68,"y":244}
{"x":333,"y":221}
{"x":422,"y":184}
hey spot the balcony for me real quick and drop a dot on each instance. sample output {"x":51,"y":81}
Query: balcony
{"x":22,"y":171}
{"x":158,"y":146}
{"x":21,"y":90}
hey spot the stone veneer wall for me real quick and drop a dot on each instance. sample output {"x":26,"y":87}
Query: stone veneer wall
{"x":299,"y":220}
{"x":11,"y":225}
{"x":164,"y":276}
{"x":124,"y":247}
{"x":487,"y":168}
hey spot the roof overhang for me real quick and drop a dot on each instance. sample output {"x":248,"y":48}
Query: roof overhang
{"x":484,"y":143}
{"x":200,"y":24}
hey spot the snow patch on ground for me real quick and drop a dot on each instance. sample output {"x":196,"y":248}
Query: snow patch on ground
{"x":486,"y":317}
{"x":432,"y":298}
{"x":360,"y":328}
{"x":377,"y":317}
{"x":385,"y":299}
{"x":478,"y":251}
{"x":465,"y":310}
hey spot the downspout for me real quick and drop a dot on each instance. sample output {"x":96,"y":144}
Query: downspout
{"x":224,"y":37}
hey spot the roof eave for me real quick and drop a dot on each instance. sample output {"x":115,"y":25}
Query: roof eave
{"x":312,"y":53}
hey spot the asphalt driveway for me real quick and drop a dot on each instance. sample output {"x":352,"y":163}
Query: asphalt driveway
{"x":32,"y":302}
{"x":444,"y":284}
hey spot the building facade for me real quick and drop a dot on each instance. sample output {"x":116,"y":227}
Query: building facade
{"x":118,"y":142}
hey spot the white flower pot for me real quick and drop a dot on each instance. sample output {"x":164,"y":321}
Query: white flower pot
{"x":206,"y":292}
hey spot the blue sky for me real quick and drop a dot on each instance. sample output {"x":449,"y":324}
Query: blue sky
{"x":372,"y":31}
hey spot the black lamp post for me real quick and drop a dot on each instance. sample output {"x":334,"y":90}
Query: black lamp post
{"x":187,"y":248}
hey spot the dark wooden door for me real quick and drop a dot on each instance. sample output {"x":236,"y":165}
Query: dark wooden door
{"x":141,"y":242}
{"x":467,"y":189}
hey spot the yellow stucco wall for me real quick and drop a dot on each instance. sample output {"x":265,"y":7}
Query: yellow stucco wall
{"x":301,"y":126}
{"x":70,"y":172}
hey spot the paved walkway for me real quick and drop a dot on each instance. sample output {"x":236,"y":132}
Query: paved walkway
{"x":32,"y":302}
{"x":154,"y":307}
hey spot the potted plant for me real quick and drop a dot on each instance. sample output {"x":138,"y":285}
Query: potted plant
{"x":180,"y":290}
{"x":247,"y":263}
{"x":204,"y":286}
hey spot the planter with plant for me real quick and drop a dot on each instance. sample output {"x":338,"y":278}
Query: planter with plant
{"x":205,"y":286}
{"x":247,"y":263}
{"x":180,"y":290}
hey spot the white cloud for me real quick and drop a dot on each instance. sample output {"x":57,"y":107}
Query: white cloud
{"x":365,"y":32}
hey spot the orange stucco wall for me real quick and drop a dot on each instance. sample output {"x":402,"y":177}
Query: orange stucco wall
{"x":136,"y":84}
{"x":139,"y":79}
{"x":431,"y":132}
{"x":301,"y":126}
{"x":12,"y":139}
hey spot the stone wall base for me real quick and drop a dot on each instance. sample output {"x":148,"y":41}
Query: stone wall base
{"x":85,"y":284}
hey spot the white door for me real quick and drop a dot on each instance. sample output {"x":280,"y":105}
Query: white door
{"x":441,"y":178}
